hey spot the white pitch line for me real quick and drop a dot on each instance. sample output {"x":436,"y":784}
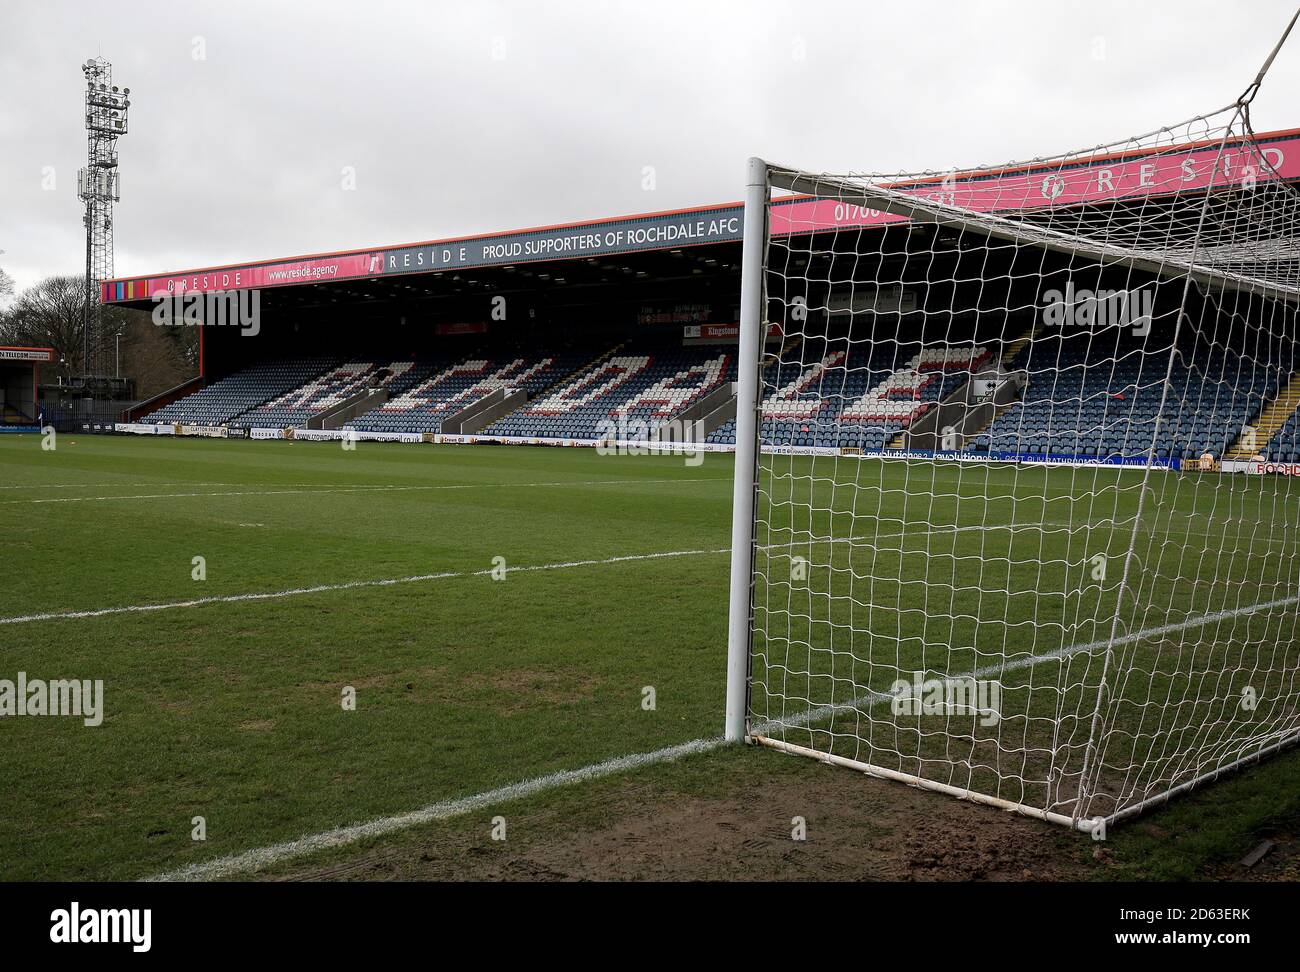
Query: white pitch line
{"x":265,"y":856}
{"x":443,"y":575}
{"x":1028,"y":661}
{"x":369,"y":489}
{"x":865,"y":541}
{"x":261,"y":857}
{"x":346,"y":586}
{"x":127,"y":485}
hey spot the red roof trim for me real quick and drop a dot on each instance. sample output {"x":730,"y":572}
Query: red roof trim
{"x":19,"y":347}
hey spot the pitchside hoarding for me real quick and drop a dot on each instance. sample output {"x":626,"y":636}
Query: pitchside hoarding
{"x":1089,"y":182}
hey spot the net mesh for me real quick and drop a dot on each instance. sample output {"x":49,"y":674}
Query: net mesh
{"x":987,"y":554}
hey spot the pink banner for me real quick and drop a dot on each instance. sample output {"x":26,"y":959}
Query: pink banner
{"x":273,"y":275}
{"x":1100,"y":181}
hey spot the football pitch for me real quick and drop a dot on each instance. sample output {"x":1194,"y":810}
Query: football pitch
{"x":294,"y":637}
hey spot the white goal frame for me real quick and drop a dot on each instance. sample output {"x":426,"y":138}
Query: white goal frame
{"x":762,"y":179}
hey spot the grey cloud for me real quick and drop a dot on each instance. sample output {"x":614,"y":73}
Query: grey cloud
{"x":241,"y":155}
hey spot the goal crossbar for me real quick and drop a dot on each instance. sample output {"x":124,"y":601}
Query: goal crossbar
{"x":899,"y":203}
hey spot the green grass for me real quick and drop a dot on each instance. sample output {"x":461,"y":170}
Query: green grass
{"x":231,"y":711}
{"x":1021,"y":576}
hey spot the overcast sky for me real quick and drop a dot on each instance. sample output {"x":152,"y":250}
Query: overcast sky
{"x":464,"y":117}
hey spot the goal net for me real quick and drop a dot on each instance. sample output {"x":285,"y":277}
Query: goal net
{"x":1010,"y":534}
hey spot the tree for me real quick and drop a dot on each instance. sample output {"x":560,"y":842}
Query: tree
{"x":51,"y":314}
{"x":156,"y":357}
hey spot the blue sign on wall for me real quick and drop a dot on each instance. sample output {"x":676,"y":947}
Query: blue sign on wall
{"x":567,"y":242}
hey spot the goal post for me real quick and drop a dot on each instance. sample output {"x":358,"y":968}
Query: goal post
{"x":1000,"y":526}
{"x":749,"y":357}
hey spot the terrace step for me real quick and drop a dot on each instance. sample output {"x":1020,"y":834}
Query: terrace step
{"x":981,"y":419}
{"x":1271,"y":418}
{"x":1018,"y":345}
{"x":482,"y":412}
{"x":519,"y":402}
{"x":706,"y":414}
{"x":354,"y":406}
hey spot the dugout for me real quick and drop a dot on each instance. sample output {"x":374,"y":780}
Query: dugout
{"x":19,"y":381}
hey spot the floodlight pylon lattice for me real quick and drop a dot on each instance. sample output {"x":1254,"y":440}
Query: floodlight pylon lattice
{"x":99,"y":186}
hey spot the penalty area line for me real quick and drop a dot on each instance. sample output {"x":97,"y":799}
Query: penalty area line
{"x":346,"y":586}
{"x":263,"y":857}
{"x":413,"y":579}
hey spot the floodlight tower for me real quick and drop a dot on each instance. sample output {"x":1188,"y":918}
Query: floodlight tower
{"x":99,"y":186}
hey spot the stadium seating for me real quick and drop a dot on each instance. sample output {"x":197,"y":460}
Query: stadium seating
{"x":1098,"y":393}
{"x":222,"y":401}
{"x":1088,"y":393}
{"x":1284,"y":446}
{"x":423,"y":406}
{"x":651,"y":387}
{"x":836,"y":395}
{"x":295,"y":407}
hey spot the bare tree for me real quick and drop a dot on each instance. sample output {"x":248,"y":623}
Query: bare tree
{"x":51,"y":314}
{"x":156,"y":357}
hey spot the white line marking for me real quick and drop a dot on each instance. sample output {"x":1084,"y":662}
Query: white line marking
{"x":368,"y":489}
{"x":261,"y":857}
{"x":444,"y":575}
{"x":1015,"y":663}
{"x":129,"y":485}
{"x":265,"y":856}
{"x":347,"y":586}
{"x":451,"y":574}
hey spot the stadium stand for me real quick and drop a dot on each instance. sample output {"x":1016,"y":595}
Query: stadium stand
{"x":444,"y":391}
{"x":1088,"y":393}
{"x":297,"y":406}
{"x":11,"y":414}
{"x":1273,"y":433}
{"x":1280,"y":421}
{"x":1284,"y":446}
{"x":222,"y":401}
{"x":1098,"y":393}
{"x":838,"y":395}
{"x":651,"y":386}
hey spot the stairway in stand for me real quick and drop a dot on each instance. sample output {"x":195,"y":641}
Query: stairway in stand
{"x":1271,"y":418}
{"x":1008,"y":356}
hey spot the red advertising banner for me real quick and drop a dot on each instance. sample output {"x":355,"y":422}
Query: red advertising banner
{"x":269,"y":275}
{"x":722,"y":333}
{"x":329,"y":268}
{"x":1089,"y":183}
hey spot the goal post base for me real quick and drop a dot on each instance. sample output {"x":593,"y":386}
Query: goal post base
{"x":1084,"y":825}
